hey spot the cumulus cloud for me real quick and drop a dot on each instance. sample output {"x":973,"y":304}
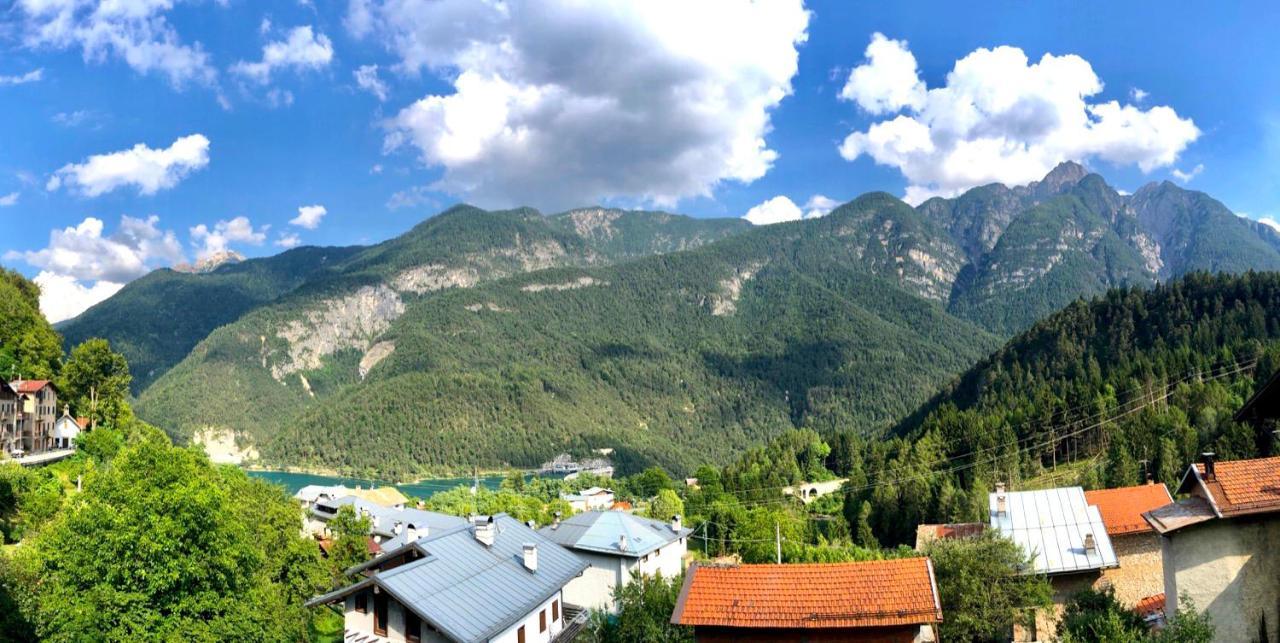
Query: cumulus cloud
{"x":289,"y":240}
{"x":888,"y":81}
{"x":81,"y":266}
{"x":368,"y":80}
{"x":1186,"y":177}
{"x":309,"y":216}
{"x":302,"y":50}
{"x":418,"y":195}
{"x":35,"y":75}
{"x":780,"y":209}
{"x":1270,"y":222}
{"x":999,"y":118}
{"x":210,"y":241}
{"x":562,"y":103}
{"x":134,"y":31}
{"x":1138,"y":95}
{"x":9,"y":200}
{"x":149,"y":170}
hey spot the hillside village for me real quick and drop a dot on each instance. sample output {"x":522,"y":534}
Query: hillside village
{"x":1212,"y":553}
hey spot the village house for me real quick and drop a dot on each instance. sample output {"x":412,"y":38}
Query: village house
{"x":885,"y":601}
{"x":492,"y":579}
{"x":67,"y":429}
{"x":384,"y":496}
{"x":388,"y":526}
{"x":8,"y":416}
{"x":926,"y":534}
{"x":28,"y":427}
{"x":617,"y":545}
{"x":1221,"y":546}
{"x":589,"y":499}
{"x":1140,"y":575}
{"x":1066,"y":538}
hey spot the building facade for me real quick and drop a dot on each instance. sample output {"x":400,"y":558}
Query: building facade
{"x":28,"y":427}
{"x":1140,"y":575}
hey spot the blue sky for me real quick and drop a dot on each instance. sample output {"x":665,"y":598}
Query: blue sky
{"x":210,"y":124}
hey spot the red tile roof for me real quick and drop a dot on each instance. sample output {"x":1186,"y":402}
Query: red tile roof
{"x":881,"y":593}
{"x":82,"y":422}
{"x":1150,"y":605}
{"x":29,"y":386}
{"x":621,"y":505}
{"x":1243,"y":486}
{"x":1122,"y":508}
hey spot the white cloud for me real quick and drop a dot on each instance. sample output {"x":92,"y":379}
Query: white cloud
{"x":562,"y":103}
{"x":1001,"y":118}
{"x":1186,"y":177}
{"x":302,"y":50}
{"x":81,"y":267}
{"x":134,"y":31}
{"x":309,"y":216}
{"x":209,"y":241}
{"x":367,"y":78}
{"x":888,"y":81}
{"x":775,"y":210}
{"x":418,"y":195}
{"x":1138,"y":95}
{"x":35,"y":75}
{"x":780,"y":209}
{"x":376,"y":169}
{"x":290,"y":240}
{"x":1270,"y":222}
{"x":76,"y":118}
{"x":9,"y":200}
{"x":149,"y":170}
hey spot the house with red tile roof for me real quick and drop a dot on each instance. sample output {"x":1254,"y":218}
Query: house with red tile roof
{"x":1136,"y":543}
{"x":888,"y":601}
{"x":1221,"y":545}
{"x":27,"y":418}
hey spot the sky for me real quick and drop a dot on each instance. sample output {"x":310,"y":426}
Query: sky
{"x":137,"y":134}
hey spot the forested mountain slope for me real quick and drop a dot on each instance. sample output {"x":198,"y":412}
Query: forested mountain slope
{"x":1134,"y":375}
{"x":669,"y":359}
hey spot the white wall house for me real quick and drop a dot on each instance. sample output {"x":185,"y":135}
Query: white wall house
{"x":616,"y":545}
{"x":589,"y":499}
{"x":67,"y":429}
{"x":492,"y":579}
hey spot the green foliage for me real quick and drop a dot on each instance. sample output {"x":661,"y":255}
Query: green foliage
{"x":28,"y":344}
{"x":1189,"y":626}
{"x":95,"y":381}
{"x":162,"y":544}
{"x":1093,"y":615}
{"x":665,"y":505}
{"x":350,"y":534}
{"x":644,"y":608}
{"x":982,"y":588}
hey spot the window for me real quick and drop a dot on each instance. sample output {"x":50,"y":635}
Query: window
{"x":542,"y":621}
{"x":520,"y":635}
{"x":380,"y":614}
{"x":362,"y":602}
{"x":555,"y":610}
{"x":412,"y":627}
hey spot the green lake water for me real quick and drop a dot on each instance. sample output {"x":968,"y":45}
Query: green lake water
{"x":292,"y":482}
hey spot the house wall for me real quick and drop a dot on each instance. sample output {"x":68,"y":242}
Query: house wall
{"x":363,"y":623}
{"x":1231,"y":569}
{"x":904,"y":634}
{"x":1141,"y":570}
{"x":530,"y":623}
{"x":594,"y":588}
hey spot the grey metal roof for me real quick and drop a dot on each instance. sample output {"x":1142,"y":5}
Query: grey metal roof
{"x":600,"y":531}
{"x":1051,"y":524}
{"x":472,"y":592}
{"x":387,"y":517}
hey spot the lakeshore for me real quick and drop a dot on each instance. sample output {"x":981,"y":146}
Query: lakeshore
{"x":425,"y":488}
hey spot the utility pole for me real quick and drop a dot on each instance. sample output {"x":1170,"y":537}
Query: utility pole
{"x":777,"y":540}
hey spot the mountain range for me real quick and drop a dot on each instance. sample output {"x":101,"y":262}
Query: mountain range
{"x":482,"y":338}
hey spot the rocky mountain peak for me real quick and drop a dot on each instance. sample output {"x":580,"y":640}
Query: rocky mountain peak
{"x":1060,"y":178}
{"x":211,"y":262}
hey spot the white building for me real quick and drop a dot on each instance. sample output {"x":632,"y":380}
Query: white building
{"x":589,"y":499}
{"x":67,"y":429}
{"x":615,"y":546}
{"x":493,"y":579}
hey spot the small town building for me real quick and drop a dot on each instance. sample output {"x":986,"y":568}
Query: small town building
{"x":589,"y":499}
{"x":1221,"y":546}
{"x":384,"y":496}
{"x":616,"y":546}
{"x":1151,"y":609}
{"x":885,"y":601}
{"x":492,"y":579}
{"x":388,"y":526}
{"x":807,"y":492}
{"x":29,"y":427}
{"x":1137,"y":546}
{"x":67,"y":429}
{"x":1066,"y":538}
{"x":926,"y":534}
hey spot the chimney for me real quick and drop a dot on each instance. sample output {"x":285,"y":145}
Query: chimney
{"x":1002,"y":504}
{"x":1090,"y":545}
{"x":530,"y":524}
{"x":622,"y":542}
{"x":531,"y":557}
{"x":421,"y":504}
{"x":486,"y":532}
{"x":1000,"y":487}
{"x":675,"y":523}
{"x":410,"y":534}
{"x":555,"y":524}
{"x":397,"y":528}
{"x":1207,"y":459}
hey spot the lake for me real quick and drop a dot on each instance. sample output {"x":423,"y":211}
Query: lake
{"x":292,"y":482}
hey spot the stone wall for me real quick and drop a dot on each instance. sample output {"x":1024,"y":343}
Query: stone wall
{"x":1141,"y":570}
